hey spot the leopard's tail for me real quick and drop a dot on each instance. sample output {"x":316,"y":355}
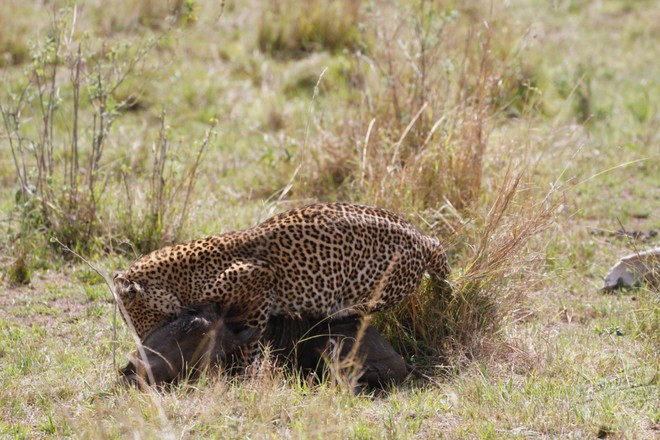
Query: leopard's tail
{"x":437,"y":264}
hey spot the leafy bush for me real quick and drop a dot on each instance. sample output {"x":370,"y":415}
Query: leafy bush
{"x":64,"y":183}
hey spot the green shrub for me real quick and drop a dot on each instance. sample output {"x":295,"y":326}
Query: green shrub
{"x":19,"y":271}
{"x":64,"y":181}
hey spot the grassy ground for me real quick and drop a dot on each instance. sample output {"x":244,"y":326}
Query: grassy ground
{"x":525,"y":136}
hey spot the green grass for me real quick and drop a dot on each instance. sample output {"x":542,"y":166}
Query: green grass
{"x":544,"y":384}
{"x":562,"y":94}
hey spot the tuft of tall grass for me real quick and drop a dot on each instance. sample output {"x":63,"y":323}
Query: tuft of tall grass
{"x":421,"y":105}
{"x":419,"y":141}
{"x":417,"y":136}
{"x":459,"y":319}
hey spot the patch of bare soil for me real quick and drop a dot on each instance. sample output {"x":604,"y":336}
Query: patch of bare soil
{"x":49,"y":301}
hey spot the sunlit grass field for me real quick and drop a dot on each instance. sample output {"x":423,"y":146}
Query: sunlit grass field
{"x":524,"y":134}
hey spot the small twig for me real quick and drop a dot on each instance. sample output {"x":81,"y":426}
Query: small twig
{"x":623,"y":363}
{"x":435,"y":126}
{"x":108,"y":283}
{"x":210,"y":134}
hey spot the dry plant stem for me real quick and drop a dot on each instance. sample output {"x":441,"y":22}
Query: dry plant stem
{"x":365,"y":149}
{"x":192,"y":179}
{"x":435,"y":126}
{"x":395,"y":155}
{"x":159,"y":151}
{"x":222,"y":11}
{"x":11,"y":122}
{"x":311,"y":115}
{"x":46,"y":160}
{"x":623,"y":165}
{"x":74,"y":171}
{"x":303,"y":153}
{"x":169,"y":194}
{"x":353,"y":359}
{"x":109,"y":284}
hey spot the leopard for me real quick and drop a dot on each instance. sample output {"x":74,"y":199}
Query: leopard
{"x":320,"y":261}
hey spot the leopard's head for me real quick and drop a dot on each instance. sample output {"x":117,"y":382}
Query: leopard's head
{"x":127,"y":291}
{"x":146,"y":304}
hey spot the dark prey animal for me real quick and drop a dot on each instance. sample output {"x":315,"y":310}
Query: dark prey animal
{"x":203,"y":337}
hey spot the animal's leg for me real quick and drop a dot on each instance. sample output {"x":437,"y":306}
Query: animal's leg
{"x":245,"y":290}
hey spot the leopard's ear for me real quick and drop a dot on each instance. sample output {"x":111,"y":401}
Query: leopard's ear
{"x":120,"y":278}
